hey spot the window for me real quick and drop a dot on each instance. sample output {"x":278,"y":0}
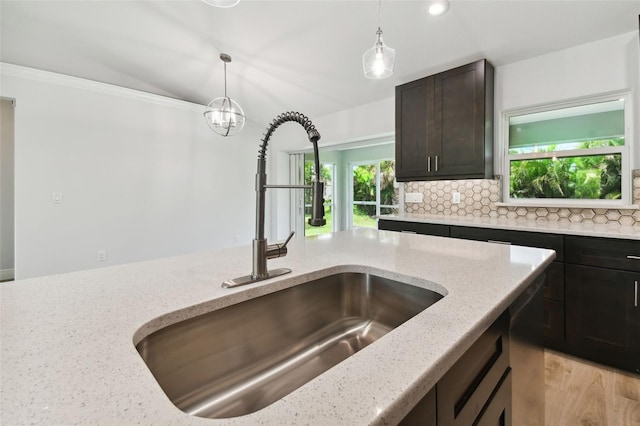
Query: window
{"x":326,"y":174}
{"x":374,"y":192}
{"x":572,"y":154}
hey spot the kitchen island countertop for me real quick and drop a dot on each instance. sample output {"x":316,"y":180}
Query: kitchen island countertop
{"x":68,"y":351}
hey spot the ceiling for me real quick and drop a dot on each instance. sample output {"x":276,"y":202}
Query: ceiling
{"x":289,"y":55}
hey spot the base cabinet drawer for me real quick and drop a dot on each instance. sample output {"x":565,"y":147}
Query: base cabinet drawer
{"x":518,"y":238}
{"x":477,"y":388}
{"x":498,"y":411}
{"x":464,"y":390}
{"x":603,"y":252}
{"x":414,"y":227}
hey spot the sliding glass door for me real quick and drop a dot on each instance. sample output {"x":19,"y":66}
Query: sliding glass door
{"x":373,"y":192}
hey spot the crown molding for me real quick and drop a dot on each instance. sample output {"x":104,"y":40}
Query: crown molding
{"x":19,"y":71}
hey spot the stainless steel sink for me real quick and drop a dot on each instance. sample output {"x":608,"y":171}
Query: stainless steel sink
{"x":241,"y":358}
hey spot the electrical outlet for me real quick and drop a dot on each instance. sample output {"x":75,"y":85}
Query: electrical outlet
{"x":413,"y":197}
{"x":236,"y":238}
{"x":102,"y":255}
{"x":455,"y":197}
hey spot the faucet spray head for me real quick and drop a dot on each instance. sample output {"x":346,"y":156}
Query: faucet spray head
{"x":317,"y":205}
{"x":317,"y":201}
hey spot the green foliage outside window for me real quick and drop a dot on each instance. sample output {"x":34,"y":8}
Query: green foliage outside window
{"x":578,"y":177}
{"x":364,"y":186}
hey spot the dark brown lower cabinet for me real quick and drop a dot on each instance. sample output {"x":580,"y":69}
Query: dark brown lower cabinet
{"x":414,"y":227}
{"x":498,"y":411}
{"x":591,"y":291}
{"x":476,"y":389}
{"x":603,"y":318}
{"x":424,"y":413}
{"x":553,"y":322}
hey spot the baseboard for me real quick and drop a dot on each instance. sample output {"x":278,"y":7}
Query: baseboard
{"x":6,"y":274}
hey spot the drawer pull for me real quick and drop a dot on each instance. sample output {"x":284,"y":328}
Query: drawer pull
{"x":506,"y":243}
{"x":630,"y":256}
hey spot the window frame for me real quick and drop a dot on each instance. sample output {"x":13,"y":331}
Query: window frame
{"x":376,"y":203}
{"x":625,"y":151}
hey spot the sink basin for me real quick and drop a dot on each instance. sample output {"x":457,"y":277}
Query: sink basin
{"x":241,"y":358}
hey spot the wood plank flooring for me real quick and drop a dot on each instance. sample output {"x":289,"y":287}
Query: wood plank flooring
{"x":581,"y":393}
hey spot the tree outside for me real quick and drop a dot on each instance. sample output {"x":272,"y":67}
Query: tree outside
{"x":326,"y":175}
{"x":364,"y":190}
{"x":576,"y":177}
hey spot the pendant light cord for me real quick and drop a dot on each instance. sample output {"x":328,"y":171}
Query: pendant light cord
{"x":225,"y":79}
{"x":379,"y":13}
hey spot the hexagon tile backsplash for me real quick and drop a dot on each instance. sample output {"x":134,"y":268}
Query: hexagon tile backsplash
{"x":478,"y":197}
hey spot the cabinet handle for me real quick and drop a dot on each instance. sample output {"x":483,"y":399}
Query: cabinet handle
{"x":429,"y":164}
{"x":436,"y":163}
{"x":635,"y":297}
{"x":507,"y":243}
{"x":630,"y":256}
{"x":409,"y":232}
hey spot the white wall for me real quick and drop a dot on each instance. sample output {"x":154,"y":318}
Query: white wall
{"x":6,"y":190}
{"x":142,"y":176}
{"x":604,"y":66}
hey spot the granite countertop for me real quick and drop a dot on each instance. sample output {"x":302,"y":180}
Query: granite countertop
{"x":606,"y":230}
{"x":68,"y":341}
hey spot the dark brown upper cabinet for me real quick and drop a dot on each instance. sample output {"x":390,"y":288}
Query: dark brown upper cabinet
{"x":444,"y":125}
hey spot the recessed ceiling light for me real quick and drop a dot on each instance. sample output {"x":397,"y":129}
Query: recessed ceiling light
{"x":222,"y":3}
{"x":438,"y":7}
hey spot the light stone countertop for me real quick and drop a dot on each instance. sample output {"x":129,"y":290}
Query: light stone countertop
{"x":606,"y":230}
{"x":67,"y":341}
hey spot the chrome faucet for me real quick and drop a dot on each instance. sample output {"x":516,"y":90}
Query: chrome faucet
{"x":261,"y":250}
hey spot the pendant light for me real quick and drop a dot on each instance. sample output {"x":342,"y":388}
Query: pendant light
{"x":438,"y":7}
{"x":378,"y":62}
{"x":224,"y":116}
{"x":222,"y":3}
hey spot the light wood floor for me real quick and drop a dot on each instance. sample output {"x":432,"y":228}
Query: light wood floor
{"x":581,"y":393}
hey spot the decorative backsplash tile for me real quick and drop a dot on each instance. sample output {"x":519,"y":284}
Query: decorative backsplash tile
{"x":478,"y":197}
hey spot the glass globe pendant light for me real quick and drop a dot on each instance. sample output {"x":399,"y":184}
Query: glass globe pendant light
{"x":378,"y":62}
{"x":223,"y":115}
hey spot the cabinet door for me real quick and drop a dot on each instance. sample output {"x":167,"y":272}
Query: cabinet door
{"x":414,"y":122}
{"x":463,"y":132}
{"x":602,"y":316}
{"x":553,"y":324}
